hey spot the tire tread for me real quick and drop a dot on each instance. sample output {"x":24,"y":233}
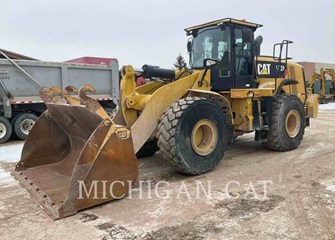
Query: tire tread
{"x":274,"y":141}
{"x":167,"y":134}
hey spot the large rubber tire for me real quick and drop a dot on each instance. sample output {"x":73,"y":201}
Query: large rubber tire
{"x":12,"y":122}
{"x":5,"y":130}
{"x":287,"y":110}
{"x":23,"y":124}
{"x":14,"y":119}
{"x":175,"y":134}
{"x":148,"y":149}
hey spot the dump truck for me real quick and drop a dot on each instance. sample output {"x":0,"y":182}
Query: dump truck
{"x":20,"y":80}
{"x":190,"y":115}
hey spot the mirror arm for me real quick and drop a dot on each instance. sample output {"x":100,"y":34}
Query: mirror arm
{"x":202,"y":77}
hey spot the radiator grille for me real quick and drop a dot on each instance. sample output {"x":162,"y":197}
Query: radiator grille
{"x":294,"y":88}
{"x":292,"y":72}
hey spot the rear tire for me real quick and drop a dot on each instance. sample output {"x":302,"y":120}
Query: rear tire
{"x":287,"y":126}
{"x":23,"y":124}
{"x":5,"y":130}
{"x":192,"y":135}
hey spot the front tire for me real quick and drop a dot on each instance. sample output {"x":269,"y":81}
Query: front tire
{"x":287,"y":125}
{"x":192,"y":135}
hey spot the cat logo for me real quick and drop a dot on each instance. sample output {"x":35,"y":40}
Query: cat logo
{"x":263,"y":68}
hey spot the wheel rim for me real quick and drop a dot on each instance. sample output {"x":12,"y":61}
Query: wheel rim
{"x":26,"y":126}
{"x":293,"y":123}
{"x":3,"y":130}
{"x":204,"y":137}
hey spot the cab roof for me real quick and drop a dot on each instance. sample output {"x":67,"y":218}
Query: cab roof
{"x":221,"y":21}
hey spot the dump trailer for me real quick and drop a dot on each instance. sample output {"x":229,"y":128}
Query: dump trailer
{"x":190,"y":115}
{"x":20,"y":81}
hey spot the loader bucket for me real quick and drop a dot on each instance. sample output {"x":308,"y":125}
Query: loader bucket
{"x":75,"y":158}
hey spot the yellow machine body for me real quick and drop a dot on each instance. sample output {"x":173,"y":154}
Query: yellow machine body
{"x":75,"y":143}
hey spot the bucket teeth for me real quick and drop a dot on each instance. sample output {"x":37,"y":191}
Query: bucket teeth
{"x":71,"y":89}
{"x":83,"y":90}
{"x":92,"y":104}
{"x":43,"y":92}
{"x":70,"y":99}
{"x":56,"y":95}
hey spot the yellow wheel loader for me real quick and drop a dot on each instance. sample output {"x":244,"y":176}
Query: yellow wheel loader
{"x":189,"y":115}
{"x":325,"y":93}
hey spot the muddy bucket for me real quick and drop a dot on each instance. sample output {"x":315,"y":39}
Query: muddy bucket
{"x":74,"y":158}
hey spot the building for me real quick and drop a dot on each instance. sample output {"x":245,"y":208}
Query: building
{"x":311,"y":67}
{"x":92,"y":60}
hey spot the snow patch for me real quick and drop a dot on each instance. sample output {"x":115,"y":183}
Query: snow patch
{"x":10,"y":153}
{"x":5,"y":177}
{"x":328,"y":106}
{"x":331,"y":188}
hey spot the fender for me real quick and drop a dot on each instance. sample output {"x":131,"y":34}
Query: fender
{"x":284,"y":83}
{"x":217,"y":98}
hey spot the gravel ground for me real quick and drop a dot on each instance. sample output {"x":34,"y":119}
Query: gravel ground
{"x":298,"y":203}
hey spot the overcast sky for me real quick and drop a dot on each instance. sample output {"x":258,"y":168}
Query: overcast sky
{"x":151,"y":31}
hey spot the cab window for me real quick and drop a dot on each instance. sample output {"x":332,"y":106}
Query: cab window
{"x":243,"y":38}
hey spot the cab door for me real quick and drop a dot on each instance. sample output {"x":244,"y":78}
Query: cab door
{"x":243,"y":57}
{"x":222,"y":77}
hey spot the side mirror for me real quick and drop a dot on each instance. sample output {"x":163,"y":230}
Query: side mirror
{"x":258,"y":42}
{"x":189,"y":46}
{"x":209,"y":62}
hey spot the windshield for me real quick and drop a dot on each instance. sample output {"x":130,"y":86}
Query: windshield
{"x":211,"y":43}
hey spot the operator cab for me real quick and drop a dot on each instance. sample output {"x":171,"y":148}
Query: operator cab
{"x":230,"y":42}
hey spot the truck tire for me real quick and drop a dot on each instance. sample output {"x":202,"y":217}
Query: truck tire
{"x":287,"y":125}
{"x":5,"y":130}
{"x":12,"y":122}
{"x":23,"y":124}
{"x":192,"y":135}
{"x":13,"y":119}
{"x":148,"y":149}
